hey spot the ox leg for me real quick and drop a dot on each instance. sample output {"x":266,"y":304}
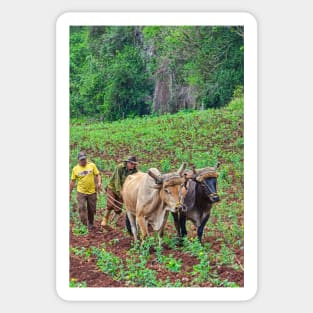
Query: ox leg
{"x":128,"y":225}
{"x":176,"y":223}
{"x":143,"y":226}
{"x":132,"y":221}
{"x":201,"y":227}
{"x":161,"y":230}
{"x":160,"y":236}
{"x":182,"y":222}
{"x":176,"y":217}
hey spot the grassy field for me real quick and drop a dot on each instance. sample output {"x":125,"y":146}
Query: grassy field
{"x":108,"y":257}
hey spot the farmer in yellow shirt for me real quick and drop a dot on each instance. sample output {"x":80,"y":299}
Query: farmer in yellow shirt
{"x":85,"y":172}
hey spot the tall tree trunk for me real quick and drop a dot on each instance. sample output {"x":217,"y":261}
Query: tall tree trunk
{"x":163,"y":89}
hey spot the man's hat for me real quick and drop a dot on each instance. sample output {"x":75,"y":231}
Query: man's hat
{"x":81,"y":156}
{"x":132,"y":159}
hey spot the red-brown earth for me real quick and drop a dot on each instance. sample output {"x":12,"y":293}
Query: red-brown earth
{"x":83,"y":269}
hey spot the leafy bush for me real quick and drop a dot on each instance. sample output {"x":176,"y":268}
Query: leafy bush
{"x":126,"y":71}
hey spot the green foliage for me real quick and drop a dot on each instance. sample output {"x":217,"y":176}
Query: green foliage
{"x":169,"y":261}
{"x":172,"y":264}
{"x":83,"y":252}
{"x":134,"y":271}
{"x":138,"y":274}
{"x":109,"y":263}
{"x":76,"y":284}
{"x":86,"y":75}
{"x":192,"y":246}
{"x":127,"y":86}
{"x":202,"y":271}
{"x":238,"y":92}
{"x":114,"y":241}
{"x":80,"y":229}
{"x":114,"y":70}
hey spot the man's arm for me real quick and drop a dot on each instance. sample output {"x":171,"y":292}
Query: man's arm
{"x":97,"y":174}
{"x":98,"y":181}
{"x":117,"y":182}
{"x":72,"y":184}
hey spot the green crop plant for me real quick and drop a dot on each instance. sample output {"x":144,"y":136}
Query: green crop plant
{"x":114,"y":241}
{"x":83,"y":252}
{"x":159,"y":254}
{"x":170,"y":241}
{"x":192,"y":246}
{"x":108,"y":263}
{"x":168,"y":283}
{"x":77,"y":284}
{"x":80,"y":229}
{"x":226,"y":256}
{"x":137,"y":273}
{"x":202,"y":271}
{"x":172,"y":264}
{"x":231,"y":284}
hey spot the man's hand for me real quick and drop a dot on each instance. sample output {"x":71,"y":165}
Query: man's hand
{"x":99,"y":185}
{"x":72,"y":184}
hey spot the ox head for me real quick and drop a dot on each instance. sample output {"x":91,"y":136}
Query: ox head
{"x":170,"y":186}
{"x":207,"y":178}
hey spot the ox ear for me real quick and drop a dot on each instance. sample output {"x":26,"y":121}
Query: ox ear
{"x":158,"y":179}
{"x":180,"y":171}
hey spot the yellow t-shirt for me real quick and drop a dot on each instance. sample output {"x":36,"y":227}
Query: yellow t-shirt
{"x":86,"y":178}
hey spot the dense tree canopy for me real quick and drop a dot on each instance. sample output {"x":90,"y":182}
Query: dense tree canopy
{"x":120,"y":71}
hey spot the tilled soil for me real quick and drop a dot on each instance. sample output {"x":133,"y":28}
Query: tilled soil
{"x":82,"y":269}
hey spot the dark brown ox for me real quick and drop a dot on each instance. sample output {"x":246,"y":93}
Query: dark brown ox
{"x":148,"y":198}
{"x":199,"y":196}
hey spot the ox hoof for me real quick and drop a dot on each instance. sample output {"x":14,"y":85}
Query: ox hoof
{"x":104,"y":221}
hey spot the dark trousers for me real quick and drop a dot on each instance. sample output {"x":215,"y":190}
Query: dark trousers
{"x":87,"y":207}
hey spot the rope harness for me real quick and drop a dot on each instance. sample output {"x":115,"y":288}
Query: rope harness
{"x":115,"y":203}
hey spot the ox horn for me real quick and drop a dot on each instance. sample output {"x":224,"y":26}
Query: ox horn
{"x":185,"y":177}
{"x":185,"y":180}
{"x":180,"y":171}
{"x":194,"y":172}
{"x":217,"y":165}
{"x":158,"y":179}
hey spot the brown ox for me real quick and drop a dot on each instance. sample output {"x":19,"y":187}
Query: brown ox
{"x":148,"y":198}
